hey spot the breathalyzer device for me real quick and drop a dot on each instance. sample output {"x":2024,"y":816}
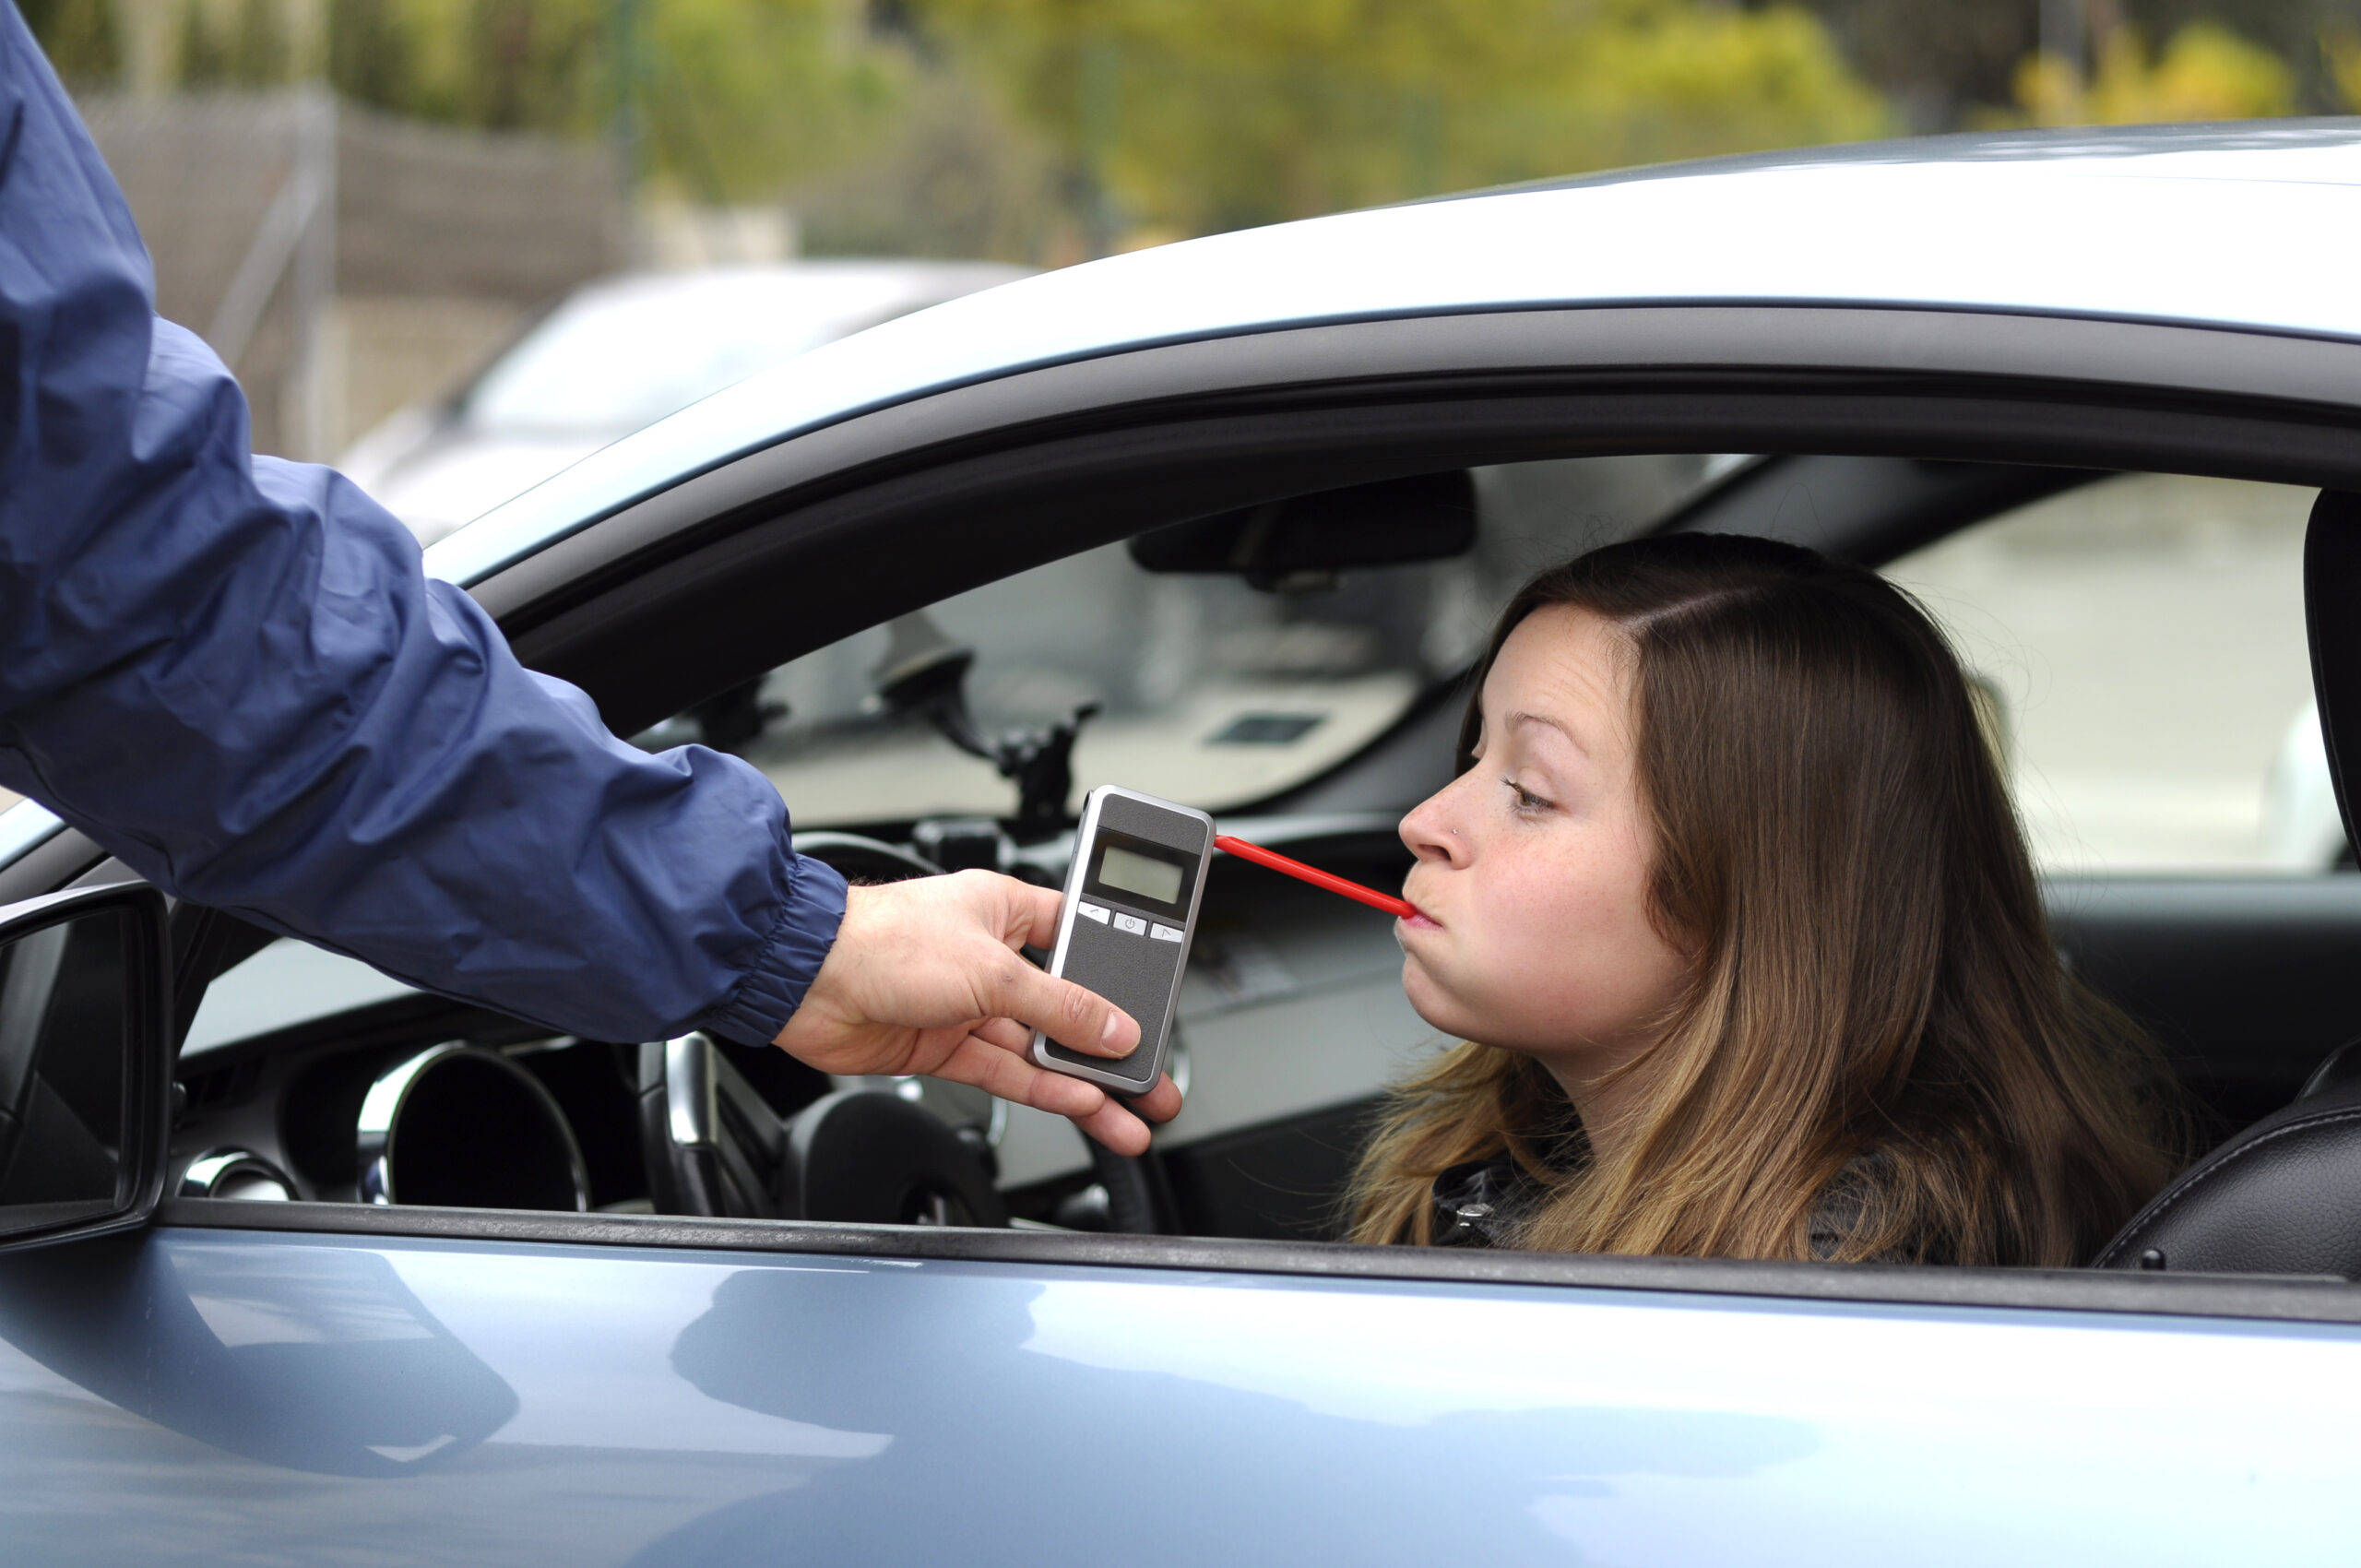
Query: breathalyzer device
{"x":1131,"y":908}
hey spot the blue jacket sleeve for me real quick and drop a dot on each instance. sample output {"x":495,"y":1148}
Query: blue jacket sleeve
{"x":231,"y":673}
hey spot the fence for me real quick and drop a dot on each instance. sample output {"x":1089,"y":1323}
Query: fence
{"x":345,"y":263}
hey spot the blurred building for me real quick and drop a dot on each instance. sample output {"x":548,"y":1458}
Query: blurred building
{"x":343,"y":263}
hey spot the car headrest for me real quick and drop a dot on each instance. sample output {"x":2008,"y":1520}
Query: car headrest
{"x":2283,"y":1196}
{"x":2332,"y":618}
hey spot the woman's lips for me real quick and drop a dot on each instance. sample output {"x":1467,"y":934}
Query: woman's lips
{"x":1421,"y":920}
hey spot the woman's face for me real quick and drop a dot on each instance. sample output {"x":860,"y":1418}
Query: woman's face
{"x":1533,"y":933}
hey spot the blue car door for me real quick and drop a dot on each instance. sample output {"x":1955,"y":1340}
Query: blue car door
{"x":496,"y":1389}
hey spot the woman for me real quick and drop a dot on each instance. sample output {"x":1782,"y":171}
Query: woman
{"x":1729,"y":905}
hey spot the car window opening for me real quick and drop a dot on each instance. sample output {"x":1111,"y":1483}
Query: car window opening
{"x":2135,"y":645}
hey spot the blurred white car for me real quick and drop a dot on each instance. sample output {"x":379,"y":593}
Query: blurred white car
{"x":621,"y":354}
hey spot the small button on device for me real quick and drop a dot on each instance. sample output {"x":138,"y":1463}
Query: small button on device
{"x":1164,"y":934}
{"x":1131,"y":923}
{"x":1090,"y":911}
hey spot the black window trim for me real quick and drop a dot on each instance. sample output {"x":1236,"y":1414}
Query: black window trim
{"x":2271,"y":1298}
{"x":897,"y":508}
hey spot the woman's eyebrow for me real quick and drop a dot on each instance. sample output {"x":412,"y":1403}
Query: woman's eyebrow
{"x":1543,"y":719}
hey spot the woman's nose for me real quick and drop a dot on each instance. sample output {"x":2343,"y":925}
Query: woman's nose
{"x":1429,"y":831}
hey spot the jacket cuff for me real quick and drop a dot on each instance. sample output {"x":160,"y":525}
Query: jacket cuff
{"x":759,"y":1005}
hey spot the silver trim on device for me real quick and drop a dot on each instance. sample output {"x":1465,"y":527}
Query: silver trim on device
{"x":1077,"y":870}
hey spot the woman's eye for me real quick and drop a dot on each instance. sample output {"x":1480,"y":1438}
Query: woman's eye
{"x":1526,"y":800}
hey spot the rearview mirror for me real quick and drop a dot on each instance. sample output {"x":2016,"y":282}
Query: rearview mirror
{"x":1305,"y":540}
{"x":85,"y":1063}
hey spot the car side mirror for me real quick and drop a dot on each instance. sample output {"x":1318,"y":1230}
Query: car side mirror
{"x":85,"y":1063}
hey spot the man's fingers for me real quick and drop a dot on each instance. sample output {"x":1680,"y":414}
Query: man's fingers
{"x":990,"y":1059}
{"x":1078,"y":1019}
{"x":1161,"y":1103}
{"x":1006,"y":1033}
{"x":1116,"y":1127}
{"x":994,"y":1069}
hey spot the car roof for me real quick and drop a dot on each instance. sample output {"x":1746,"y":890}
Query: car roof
{"x":2248,"y":226}
{"x":821,"y":279}
{"x":819,"y":300}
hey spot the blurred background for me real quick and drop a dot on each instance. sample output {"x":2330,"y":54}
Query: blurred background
{"x":360,"y":202}
{"x":454,"y":244}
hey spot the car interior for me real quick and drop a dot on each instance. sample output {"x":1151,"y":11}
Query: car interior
{"x":1297,"y":665}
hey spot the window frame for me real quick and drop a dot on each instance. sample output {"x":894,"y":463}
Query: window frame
{"x":897,"y":508}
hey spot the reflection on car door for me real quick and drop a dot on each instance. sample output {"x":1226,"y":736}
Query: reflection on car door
{"x":202,"y":1395}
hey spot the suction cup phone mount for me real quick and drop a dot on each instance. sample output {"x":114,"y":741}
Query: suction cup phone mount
{"x":925,"y":672}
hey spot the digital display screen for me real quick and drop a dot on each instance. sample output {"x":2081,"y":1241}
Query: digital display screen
{"x":1129,"y":872}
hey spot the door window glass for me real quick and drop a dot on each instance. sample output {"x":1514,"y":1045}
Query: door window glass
{"x":2142,"y":640}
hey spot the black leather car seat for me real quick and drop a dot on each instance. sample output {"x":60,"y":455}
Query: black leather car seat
{"x":2281,"y":1197}
{"x":2284,"y":1195}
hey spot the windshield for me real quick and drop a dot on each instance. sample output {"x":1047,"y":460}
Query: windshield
{"x":1209,"y":692}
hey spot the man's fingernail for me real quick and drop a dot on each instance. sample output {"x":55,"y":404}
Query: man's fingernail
{"x":1114,"y":1028}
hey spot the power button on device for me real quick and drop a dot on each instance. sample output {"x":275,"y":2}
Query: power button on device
{"x":1130,"y":923}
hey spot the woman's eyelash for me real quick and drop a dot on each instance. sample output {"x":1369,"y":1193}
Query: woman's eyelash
{"x":1526,"y":800}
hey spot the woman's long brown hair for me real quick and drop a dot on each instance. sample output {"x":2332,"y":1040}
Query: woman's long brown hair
{"x":1873,"y":994}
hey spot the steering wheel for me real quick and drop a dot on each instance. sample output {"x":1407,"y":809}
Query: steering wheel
{"x":715,"y":1146}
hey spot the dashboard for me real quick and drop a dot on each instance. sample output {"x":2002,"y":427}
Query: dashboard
{"x":309,"y":1075}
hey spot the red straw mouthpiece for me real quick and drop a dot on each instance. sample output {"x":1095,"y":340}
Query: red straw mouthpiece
{"x":1302,"y":872}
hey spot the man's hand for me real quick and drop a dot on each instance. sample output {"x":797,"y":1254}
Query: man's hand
{"x":925,"y":977}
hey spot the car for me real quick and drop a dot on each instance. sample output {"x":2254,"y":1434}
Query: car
{"x":1223,"y":521}
{"x":621,"y":353}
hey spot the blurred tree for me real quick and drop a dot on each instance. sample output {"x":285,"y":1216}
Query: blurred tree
{"x":955,"y":177}
{"x":2300,"y":32}
{"x":2341,"y":56}
{"x":2204,"y":73}
{"x":995,"y":126}
{"x":1950,"y":63}
{"x":735,"y":98}
{"x":1939,"y":60}
{"x":241,"y":43}
{"x":79,"y":36}
{"x":744,"y":96}
{"x":1194,"y":115}
{"x":732,"y":98}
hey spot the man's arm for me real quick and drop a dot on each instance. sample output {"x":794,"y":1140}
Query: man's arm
{"x":230,"y":671}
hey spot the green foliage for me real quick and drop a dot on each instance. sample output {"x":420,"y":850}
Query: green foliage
{"x":2341,"y":52}
{"x":1952,"y":63}
{"x":1192,"y":115}
{"x":1135,"y":116}
{"x":79,"y":36}
{"x":742,"y":96}
{"x":730,"y":99}
{"x":1001,"y":125}
{"x":2204,"y":73}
